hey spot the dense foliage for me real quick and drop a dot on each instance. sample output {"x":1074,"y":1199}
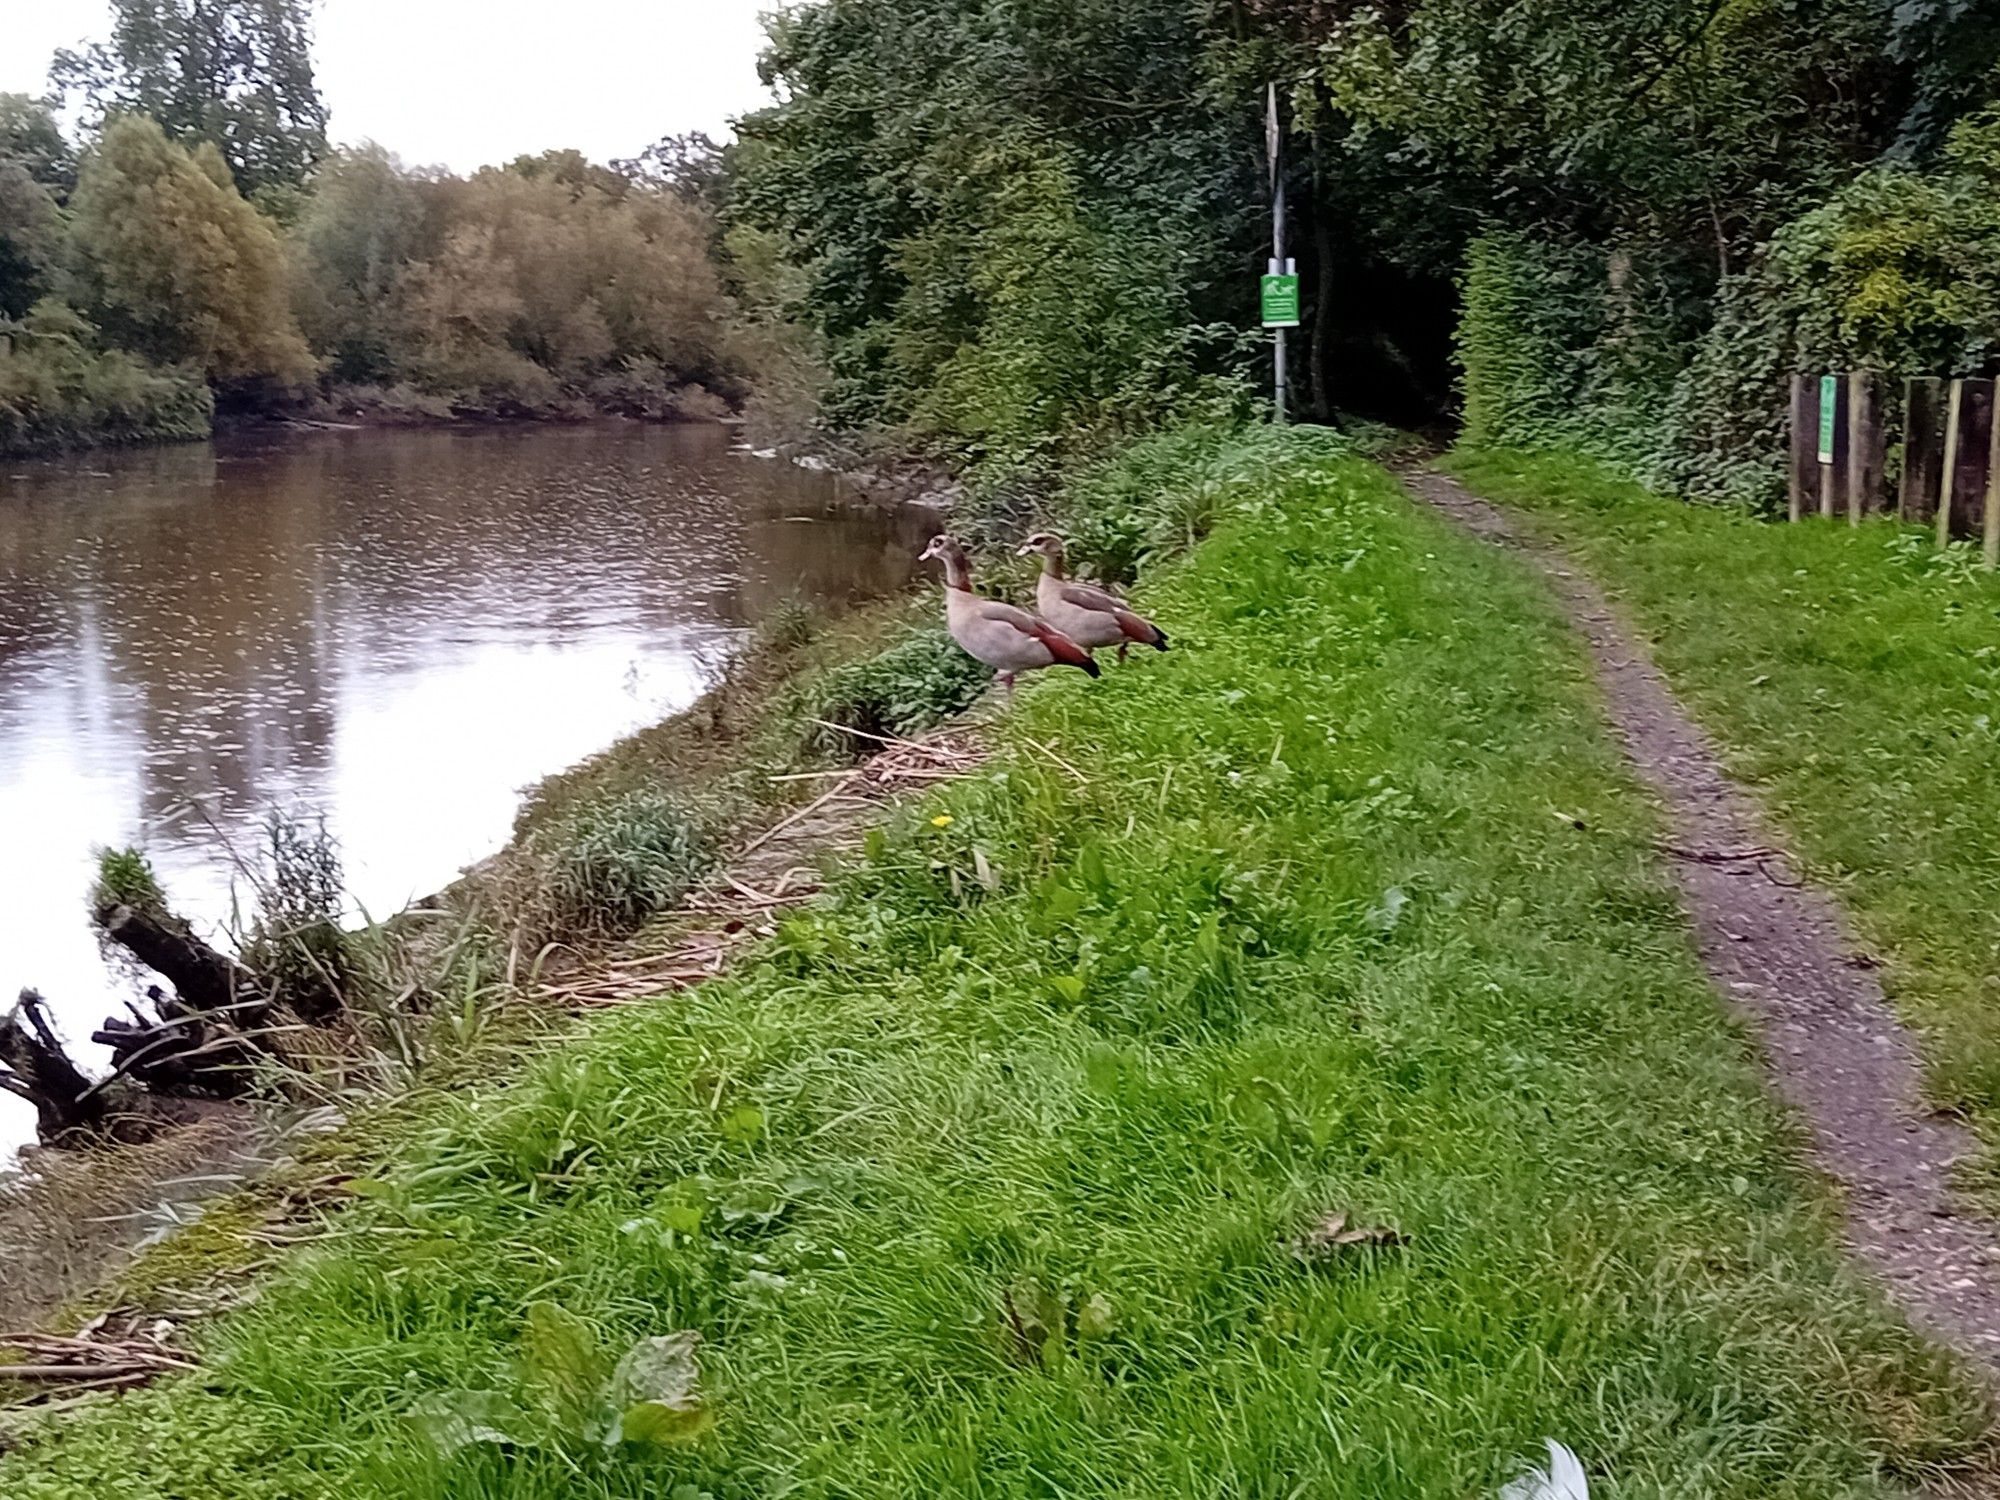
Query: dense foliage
{"x":1020,"y":229}
{"x":204,"y":243}
{"x":1016,"y":229}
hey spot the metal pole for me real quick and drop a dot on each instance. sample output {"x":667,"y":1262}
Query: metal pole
{"x":1278,"y":266}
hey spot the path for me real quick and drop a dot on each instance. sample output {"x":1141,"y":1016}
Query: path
{"x":1776,"y":947}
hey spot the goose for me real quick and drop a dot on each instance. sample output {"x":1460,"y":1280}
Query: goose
{"x":1087,"y":615}
{"x":1007,"y":639}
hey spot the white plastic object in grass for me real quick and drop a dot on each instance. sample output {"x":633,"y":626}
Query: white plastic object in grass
{"x":1563,"y":1479}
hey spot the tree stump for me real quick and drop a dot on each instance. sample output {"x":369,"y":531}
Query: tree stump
{"x":34,"y":1066}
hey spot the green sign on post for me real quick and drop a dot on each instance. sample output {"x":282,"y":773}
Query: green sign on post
{"x":1281,"y":301}
{"x":1829,"y":402}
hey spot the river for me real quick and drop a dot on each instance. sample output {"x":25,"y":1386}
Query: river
{"x":398,"y":630}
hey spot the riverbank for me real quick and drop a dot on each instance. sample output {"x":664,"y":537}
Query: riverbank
{"x":1293,"y":1073}
{"x":582,"y":878}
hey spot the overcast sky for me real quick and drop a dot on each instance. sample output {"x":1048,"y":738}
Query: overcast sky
{"x":465,"y":82}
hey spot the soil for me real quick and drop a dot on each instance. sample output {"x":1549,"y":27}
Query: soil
{"x":1779,"y":954}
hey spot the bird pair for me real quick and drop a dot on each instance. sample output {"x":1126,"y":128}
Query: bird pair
{"x":1069,"y":620}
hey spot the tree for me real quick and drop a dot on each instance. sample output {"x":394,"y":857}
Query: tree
{"x":177,"y":265}
{"x":969,"y":186}
{"x":31,"y":238}
{"x":235,"y":73}
{"x":551,"y":279}
{"x":691,"y":166}
{"x":30,"y":135}
{"x":363,"y":227}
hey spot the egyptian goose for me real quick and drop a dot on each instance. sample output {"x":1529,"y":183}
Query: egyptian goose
{"x":1087,"y":615}
{"x":1007,"y":639}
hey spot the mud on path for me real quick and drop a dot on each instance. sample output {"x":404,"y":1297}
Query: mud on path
{"x":1777,"y":950}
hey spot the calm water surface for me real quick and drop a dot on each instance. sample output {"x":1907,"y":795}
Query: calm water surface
{"x":399,"y":630}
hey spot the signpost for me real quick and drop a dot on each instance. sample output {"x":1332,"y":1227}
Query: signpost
{"x":1281,"y":297}
{"x":1829,"y":407}
{"x":1279,"y":270}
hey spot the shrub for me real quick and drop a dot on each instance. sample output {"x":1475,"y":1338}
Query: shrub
{"x":297,"y":944}
{"x":611,"y":866}
{"x":909,"y":687}
{"x":125,"y":877}
{"x":58,"y":390}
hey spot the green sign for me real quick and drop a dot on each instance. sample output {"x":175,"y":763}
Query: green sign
{"x":1829,"y":402}
{"x":1281,"y":301}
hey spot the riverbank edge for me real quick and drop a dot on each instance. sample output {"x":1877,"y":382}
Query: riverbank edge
{"x":126,"y":1188}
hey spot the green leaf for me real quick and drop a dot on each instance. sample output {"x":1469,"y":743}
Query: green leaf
{"x":1096,"y":1318}
{"x":653,"y":1392}
{"x":452,"y":1421}
{"x":742,"y":1125}
{"x":1061,"y":903}
{"x":681,"y":1218}
{"x":1067,"y":988}
{"x":561,"y":1367}
{"x":661,"y":1425}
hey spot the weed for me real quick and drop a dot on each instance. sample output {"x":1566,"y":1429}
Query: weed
{"x":920,"y":681}
{"x":296,"y":944}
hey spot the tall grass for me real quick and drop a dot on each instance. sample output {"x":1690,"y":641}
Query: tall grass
{"x":996,"y":1173}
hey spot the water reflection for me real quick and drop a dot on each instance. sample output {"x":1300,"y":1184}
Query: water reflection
{"x":399,"y":629}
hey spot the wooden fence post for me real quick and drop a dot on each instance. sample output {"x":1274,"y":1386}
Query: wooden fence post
{"x":1948,"y":479}
{"x":1864,"y":446}
{"x":1990,"y":522}
{"x":1803,"y":430}
{"x":1968,"y":486}
{"x":1923,"y":449}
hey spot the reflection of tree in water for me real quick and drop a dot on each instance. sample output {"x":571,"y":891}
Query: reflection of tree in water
{"x":222,"y":598}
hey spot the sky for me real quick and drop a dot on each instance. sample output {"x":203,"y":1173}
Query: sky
{"x":461,"y":83}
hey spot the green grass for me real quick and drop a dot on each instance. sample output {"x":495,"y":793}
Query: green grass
{"x":1852,"y":676}
{"x":1317,"y":933}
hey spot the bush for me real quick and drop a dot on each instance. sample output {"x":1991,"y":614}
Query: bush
{"x":909,"y":687}
{"x":611,"y":866}
{"x":58,"y":390}
{"x":297,"y":945}
{"x":1162,"y":494}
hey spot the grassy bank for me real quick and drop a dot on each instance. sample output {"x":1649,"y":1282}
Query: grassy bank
{"x":996,"y":1173}
{"x":1854,"y":677}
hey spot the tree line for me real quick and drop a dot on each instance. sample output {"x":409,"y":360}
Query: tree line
{"x":1012,"y":228}
{"x":204,"y":245}
{"x":1006,"y":233}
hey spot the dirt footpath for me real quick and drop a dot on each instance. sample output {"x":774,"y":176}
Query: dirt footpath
{"x":1777,"y":951}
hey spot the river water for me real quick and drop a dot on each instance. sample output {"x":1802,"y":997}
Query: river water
{"x":399,"y":630}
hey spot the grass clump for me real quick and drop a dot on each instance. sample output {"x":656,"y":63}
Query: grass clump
{"x":1853,"y":677}
{"x":296,"y":944}
{"x":612,"y":865}
{"x":125,"y":877}
{"x":997,"y":1172}
{"x":916,"y":683}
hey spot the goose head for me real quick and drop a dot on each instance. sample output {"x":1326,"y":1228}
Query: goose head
{"x":1043,"y":544}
